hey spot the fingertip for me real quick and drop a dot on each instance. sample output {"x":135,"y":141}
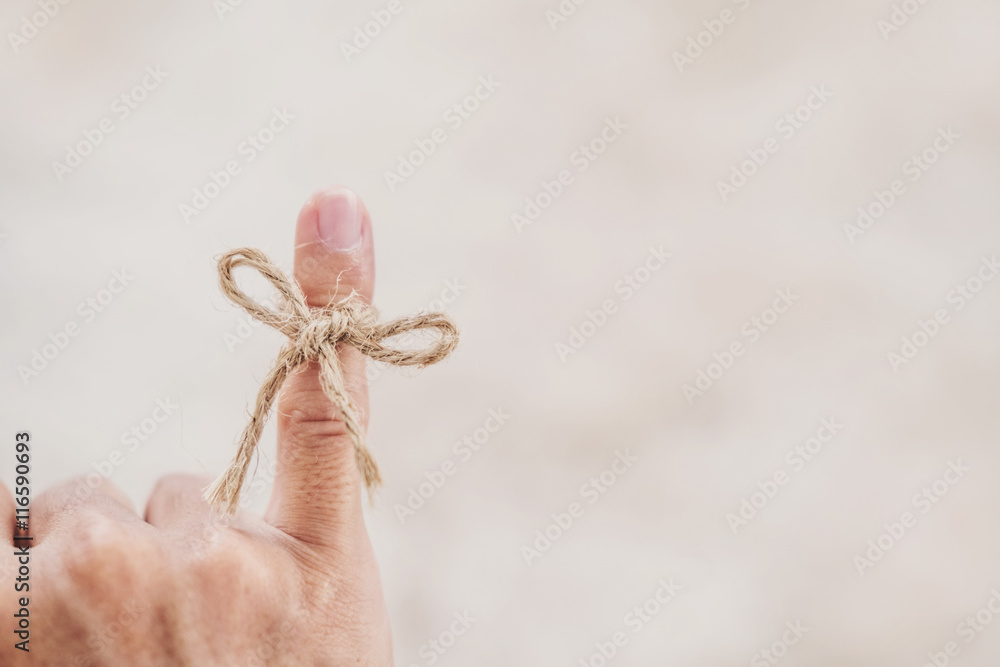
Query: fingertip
{"x":334,"y":252}
{"x":334,"y":217}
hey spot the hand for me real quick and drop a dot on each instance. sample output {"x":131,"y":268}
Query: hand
{"x":299,"y":586}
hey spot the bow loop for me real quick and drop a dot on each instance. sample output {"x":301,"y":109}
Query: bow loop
{"x":375,"y":345}
{"x":288,"y":321}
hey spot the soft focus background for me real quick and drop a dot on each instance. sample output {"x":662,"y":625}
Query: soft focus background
{"x":445,"y":238}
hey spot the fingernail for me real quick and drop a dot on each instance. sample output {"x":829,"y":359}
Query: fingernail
{"x":340,"y":219}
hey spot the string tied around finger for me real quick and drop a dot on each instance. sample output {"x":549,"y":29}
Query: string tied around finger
{"x":314,"y":335}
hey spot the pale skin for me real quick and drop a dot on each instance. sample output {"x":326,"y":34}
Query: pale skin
{"x":175,"y":586}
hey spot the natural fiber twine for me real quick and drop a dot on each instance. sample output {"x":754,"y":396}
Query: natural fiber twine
{"x":314,"y":335}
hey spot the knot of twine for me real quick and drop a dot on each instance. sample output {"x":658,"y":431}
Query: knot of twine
{"x":314,"y":335}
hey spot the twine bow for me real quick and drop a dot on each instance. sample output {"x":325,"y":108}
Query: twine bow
{"x":314,"y":335}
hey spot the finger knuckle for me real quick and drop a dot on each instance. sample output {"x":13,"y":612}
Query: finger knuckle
{"x":178,"y":482}
{"x":106,"y":550}
{"x":78,"y":493}
{"x":308,"y":416}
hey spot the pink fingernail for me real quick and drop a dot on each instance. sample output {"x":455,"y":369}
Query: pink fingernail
{"x":339,"y":219}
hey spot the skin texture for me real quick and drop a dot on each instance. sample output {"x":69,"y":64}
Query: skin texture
{"x":177,"y":585}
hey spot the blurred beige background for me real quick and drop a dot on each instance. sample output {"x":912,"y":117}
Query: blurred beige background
{"x":446,"y":233}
